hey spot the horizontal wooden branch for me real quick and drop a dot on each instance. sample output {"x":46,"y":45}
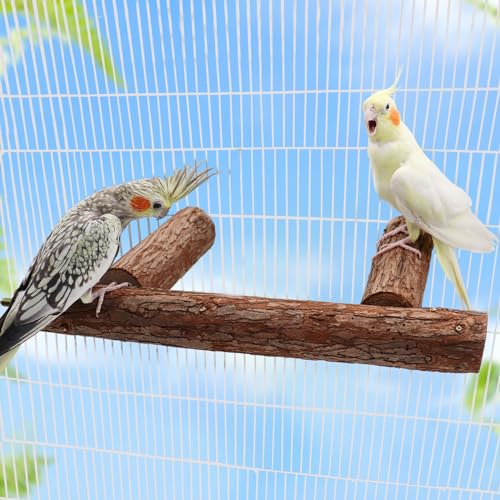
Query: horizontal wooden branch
{"x":422,"y":339}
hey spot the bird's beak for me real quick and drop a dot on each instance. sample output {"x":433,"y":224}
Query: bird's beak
{"x":371,"y":120}
{"x":163,"y":213}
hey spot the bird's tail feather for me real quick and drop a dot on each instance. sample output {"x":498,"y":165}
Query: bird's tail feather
{"x":16,"y":334}
{"x":6,"y":358}
{"x":448,"y":260}
{"x":13,"y":337}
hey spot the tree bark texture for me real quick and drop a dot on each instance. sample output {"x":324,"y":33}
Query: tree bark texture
{"x":164,"y":256}
{"x":422,"y":339}
{"x":398,"y":277}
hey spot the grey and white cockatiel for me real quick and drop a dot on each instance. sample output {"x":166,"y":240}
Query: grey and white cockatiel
{"x":81,"y":248}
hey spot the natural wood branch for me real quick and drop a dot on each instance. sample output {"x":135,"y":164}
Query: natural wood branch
{"x":398,"y":277}
{"x":422,"y":339}
{"x":165,"y":255}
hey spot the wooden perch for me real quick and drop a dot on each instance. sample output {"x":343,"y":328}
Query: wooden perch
{"x":398,"y":277}
{"x":422,"y":339}
{"x":165,"y":256}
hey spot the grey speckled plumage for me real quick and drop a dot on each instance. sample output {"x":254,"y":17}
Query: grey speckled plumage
{"x":82,"y":247}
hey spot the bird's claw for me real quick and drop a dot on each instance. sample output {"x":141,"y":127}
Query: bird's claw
{"x":402,"y":228}
{"x":403,"y":243}
{"x":99,"y":294}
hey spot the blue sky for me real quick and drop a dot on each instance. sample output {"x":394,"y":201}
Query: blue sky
{"x":271,"y":95}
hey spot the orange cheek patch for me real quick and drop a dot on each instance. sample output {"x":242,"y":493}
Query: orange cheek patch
{"x":139,"y":203}
{"x":394,"y":116}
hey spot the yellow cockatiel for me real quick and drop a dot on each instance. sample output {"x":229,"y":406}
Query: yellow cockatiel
{"x":409,"y":181}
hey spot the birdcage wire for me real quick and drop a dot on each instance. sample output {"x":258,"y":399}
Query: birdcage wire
{"x":270,"y":94}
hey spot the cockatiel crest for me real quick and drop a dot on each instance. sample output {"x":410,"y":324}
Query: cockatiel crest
{"x":381,"y":113}
{"x":154,"y":197}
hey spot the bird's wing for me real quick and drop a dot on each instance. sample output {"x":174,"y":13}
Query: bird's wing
{"x":429,"y":199}
{"x":72,"y":260}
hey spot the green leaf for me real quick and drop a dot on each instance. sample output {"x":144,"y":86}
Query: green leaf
{"x":481,"y":390}
{"x":490,"y":9}
{"x":7,"y":270}
{"x":7,"y":276}
{"x":20,"y":474}
{"x":11,"y":373}
{"x":68,"y":18}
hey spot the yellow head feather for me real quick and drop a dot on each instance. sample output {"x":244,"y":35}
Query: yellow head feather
{"x":382,"y":117}
{"x":388,"y":92}
{"x":183,"y":181}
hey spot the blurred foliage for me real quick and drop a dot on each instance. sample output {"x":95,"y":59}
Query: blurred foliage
{"x":20,"y":474}
{"x":7,"y":269}
{"x":487,"y":6}
{"x":481,"y":392}
{"x":12,"y":373}
{"x":65,"y":19}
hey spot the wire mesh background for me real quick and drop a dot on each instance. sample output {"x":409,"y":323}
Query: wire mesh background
{"x":270,"y":93}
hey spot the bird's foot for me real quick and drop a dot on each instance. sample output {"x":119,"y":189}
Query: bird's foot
{"x":99,"y":294}
{"x":402,"y":228}
{"x":403,"y":243}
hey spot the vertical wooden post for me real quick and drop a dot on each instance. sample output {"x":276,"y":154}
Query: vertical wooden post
{"x":398,"y":277}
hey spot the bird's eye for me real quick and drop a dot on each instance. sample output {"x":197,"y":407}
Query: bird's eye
{"x":387,"y":106}
{"x":157,"y":205}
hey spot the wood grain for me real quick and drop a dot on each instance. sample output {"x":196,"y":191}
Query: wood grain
{"x":422,"y":339}
{"x":398,"y":277}
{"x":165,"y":255}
